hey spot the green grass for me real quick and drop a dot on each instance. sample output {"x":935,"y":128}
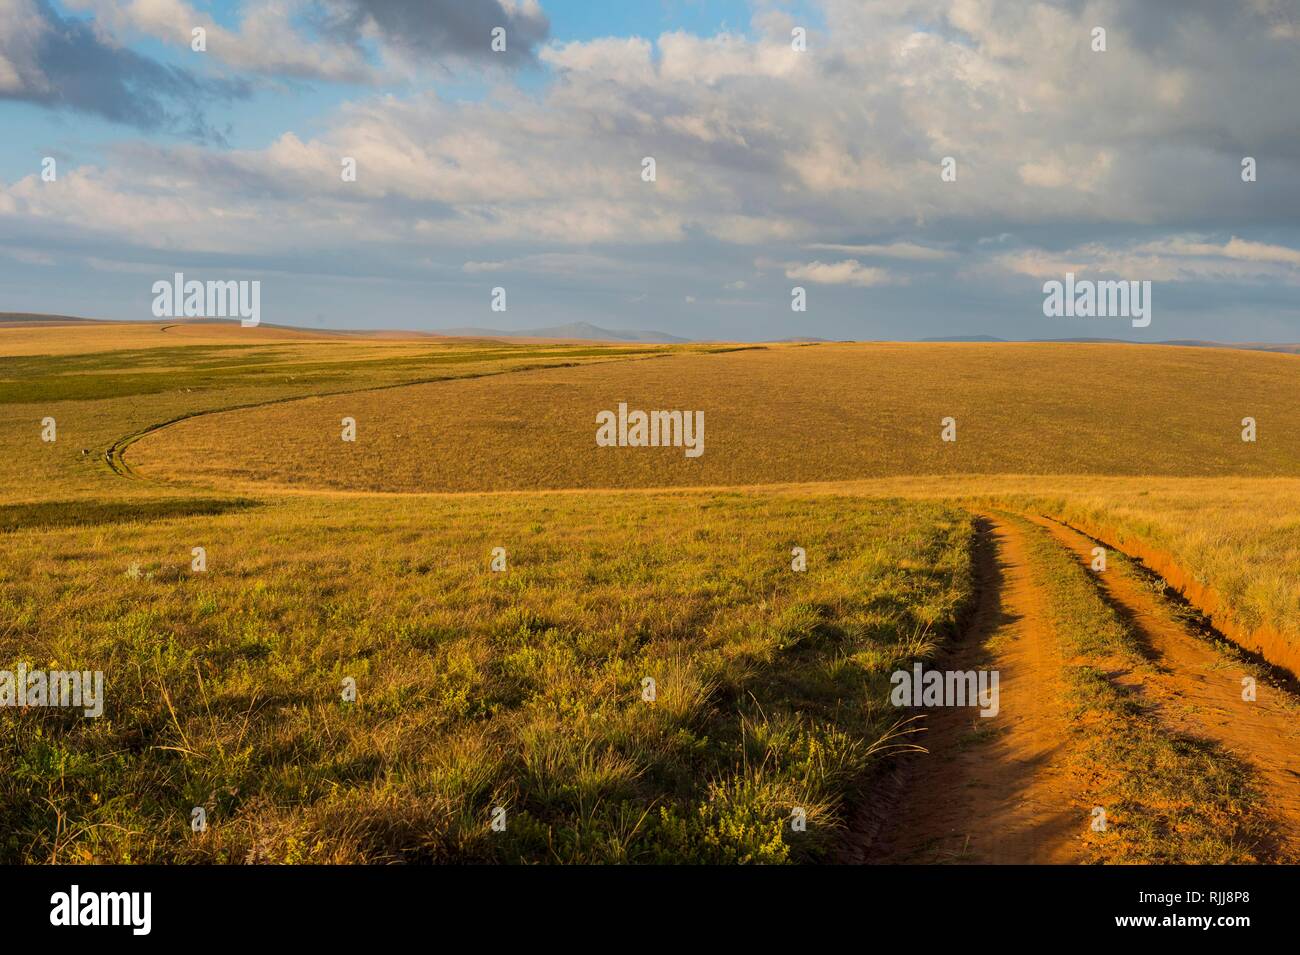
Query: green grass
{"x":476,"y":689}
{"x":520,"y":689}
{"x":48,"y":378}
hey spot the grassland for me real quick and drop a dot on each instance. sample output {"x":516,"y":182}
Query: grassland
{"x":156,"y":373}
{"x":781,"y":414}
{"x":1107,"y":435}
{"x":1232,"y":545}
{"x":523,"y":688}
{"x":476,"y":689}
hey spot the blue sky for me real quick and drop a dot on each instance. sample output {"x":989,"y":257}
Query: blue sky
{"x":818,"y":168}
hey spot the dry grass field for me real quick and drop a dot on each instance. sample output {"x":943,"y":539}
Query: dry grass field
{"x":779,"y":414}
{"x":523,"y":688}
{"x":1082,"y":414}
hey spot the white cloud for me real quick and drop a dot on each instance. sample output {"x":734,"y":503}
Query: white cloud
{"x":848,"y":272}
{"x":1067,"y":172}
{"x":687,"y":58}
{"x":1180,"y":258}
{"x":622,"y":59}
{"x":757,"y":146}
{"x":266,"y":41}
{"x":1234,"y":248}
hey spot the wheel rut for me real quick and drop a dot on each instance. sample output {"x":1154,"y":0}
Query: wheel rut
{"x":994,"y":789}
{"x":1197,"y":689}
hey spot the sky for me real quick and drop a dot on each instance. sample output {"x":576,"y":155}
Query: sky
{"x":777,"y":164}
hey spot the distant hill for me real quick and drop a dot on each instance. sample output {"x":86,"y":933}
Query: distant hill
{"x":1184,"y":342}
{"x":583,"y":330}
{"x":1249,"y":346}
{"x":589,"y":332}
{"x":34,"y":318}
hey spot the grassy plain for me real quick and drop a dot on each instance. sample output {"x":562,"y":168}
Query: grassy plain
{"x":1142,"y":441}
{"x":1232,"y":544}
{"x":520,"y":689}
{"x":778,"y":414}
{"x":103,"y":382}
{"x":476,"y":689}
{"x":523,"y":689}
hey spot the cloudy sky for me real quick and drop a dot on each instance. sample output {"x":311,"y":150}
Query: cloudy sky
{"x":775,"y":167}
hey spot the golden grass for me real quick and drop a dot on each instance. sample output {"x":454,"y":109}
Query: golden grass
{"x":1231,"y":545}
{"x":1070,"y":417}
{"x":522,"y":689}
{"x":776,"y":415}
{"x":92,"y":337}
{"x":103,"y":382}
{"x":781,"y":414}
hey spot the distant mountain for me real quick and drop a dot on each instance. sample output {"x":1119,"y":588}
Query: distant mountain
{"x":1248,"y":346}
{"x":582,"y":330}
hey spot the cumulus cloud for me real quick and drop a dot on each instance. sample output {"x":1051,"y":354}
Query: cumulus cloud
{"x":69,"y":64}
{"x":434,"y":28}
{"x":848,"y":272}
{"x":622,"y":59}
{"x":267,"y":39}
{"x":756,"y":143}
{"x":825,"y":163}
{"x":1179,"y":258}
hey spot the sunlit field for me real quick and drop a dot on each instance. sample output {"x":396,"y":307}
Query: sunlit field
{"x":784,"y":414}
{"x":776,"y":414}
{"x":475,"y":689}
{"x":610,"y":650}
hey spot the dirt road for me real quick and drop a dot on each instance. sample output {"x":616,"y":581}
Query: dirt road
{"x":999,"y":790}
{"x":1198,"y":690}
{"x":995,"y":790}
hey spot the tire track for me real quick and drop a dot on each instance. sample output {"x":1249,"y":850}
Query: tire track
{"x":994,"y":790}
{"x":115,"y":458}
{"x":1198,"y":690}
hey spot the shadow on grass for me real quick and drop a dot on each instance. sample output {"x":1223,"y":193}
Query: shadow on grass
{"x":15,"y":517}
